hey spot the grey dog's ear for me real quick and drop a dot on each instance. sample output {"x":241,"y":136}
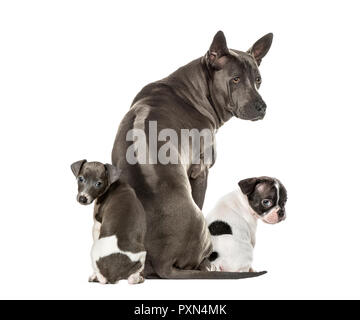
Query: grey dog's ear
{"x":261,"y":47}
{"x":247,"y":186}
{"x":218,"y":51}
{"x":76,"y":167}
{"x":113,"y":173}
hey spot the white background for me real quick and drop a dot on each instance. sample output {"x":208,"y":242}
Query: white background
{"x":68,"y":73}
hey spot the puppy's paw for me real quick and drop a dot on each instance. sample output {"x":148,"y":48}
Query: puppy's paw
{"x":213,"y":267}
{"x":93,"y":278}
{"x":100,"y":278}
{"x":136,"y":278}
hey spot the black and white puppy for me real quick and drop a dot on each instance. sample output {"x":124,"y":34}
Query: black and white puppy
{"x":119,"y":223}
{"x":233,"y":221}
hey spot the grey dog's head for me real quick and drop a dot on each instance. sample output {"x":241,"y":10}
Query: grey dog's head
{"x":267,"y":197}
{"x":94,"y":178}
{"x":235,"y":77}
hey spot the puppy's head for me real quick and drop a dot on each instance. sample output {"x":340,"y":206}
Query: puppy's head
{"x":267,"y":197}
{"x":94,"y":178}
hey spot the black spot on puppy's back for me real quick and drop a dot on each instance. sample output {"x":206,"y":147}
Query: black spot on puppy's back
{"x":218,"y":228}
{"x":213,"y":256}
{"x":117,"y":266}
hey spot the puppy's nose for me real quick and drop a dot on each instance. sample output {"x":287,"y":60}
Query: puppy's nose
{"x":83,"y":199}
{"x":282,"y":215}
{"x":260,"y":106}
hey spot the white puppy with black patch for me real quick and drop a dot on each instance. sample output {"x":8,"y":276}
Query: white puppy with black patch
{"x":233,"y":221}
{"x":119,"y":223}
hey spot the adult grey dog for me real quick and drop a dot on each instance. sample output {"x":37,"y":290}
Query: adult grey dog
{"x":203,"y":94}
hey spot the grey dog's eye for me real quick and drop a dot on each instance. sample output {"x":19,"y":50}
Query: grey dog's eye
{"x":236,"y":80}
{"x":258,"y":80}
{"x":266,"y":203}
{"x":98,"y":184}
{"x":81,"y":179}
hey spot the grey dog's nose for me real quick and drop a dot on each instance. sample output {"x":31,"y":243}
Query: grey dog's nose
{"x":82,"y":199}
{"x":260,"y":106}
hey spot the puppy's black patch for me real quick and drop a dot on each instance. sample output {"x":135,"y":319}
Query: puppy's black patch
{"x":213,"y":256}
{"x":117,"y":266}
{"x":217,"y":228}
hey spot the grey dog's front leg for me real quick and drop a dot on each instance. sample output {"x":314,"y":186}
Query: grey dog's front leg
{"x":198,"y":187}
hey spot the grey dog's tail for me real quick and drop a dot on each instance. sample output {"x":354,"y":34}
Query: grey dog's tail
{"x":208,"y":275}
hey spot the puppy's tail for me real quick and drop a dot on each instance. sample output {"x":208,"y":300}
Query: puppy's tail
{"x":178,"y":274}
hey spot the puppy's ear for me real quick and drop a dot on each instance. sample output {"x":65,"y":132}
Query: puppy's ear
{"x":217,"y":54}
{"x":247,"y":186}
{"x":261,"y":47}
{"x":113,"y":173}
{"x":76,"y":167}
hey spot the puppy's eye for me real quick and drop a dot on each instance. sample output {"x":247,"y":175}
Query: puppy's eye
{"x":266,"y":203}
{"x":236,"y":80}
{"x":81,"y":179}
{"x":98,"y":184}
{"x":258,"y":80}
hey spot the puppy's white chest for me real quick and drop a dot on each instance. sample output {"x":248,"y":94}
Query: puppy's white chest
{"x":96,"y":230}
{"x":97,"y":224}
